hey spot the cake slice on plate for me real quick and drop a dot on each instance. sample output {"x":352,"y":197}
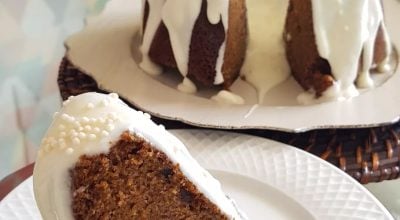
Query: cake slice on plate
{"x":101,"y":159}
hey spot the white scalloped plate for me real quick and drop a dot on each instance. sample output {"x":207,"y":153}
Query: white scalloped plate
{"x":103,"y":50}
{"x":268,"y":180}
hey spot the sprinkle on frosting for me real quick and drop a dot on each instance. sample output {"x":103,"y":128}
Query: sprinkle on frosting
{"x":76,"y":131}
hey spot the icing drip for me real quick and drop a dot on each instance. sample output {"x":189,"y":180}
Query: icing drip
{"x":180,"y":27}
{"x":219,"y":78}
{"x":344,"y":30}
{"x":154,"y":20}
{"x":88,"y":124}
{"x":384,"y":66}
{"x":333,"y":93}
{"x":373,"y":22}
{"x":187,"y":86}
{"x":227,"y":97}
{"x":265,"y":64}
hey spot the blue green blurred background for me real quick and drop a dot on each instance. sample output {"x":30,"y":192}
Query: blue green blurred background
{"x":32,"y":33}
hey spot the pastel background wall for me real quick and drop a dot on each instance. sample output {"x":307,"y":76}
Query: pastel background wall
{"x":31,"y":48}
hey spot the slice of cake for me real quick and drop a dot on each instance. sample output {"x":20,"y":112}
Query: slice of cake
{"x":101,"y":159}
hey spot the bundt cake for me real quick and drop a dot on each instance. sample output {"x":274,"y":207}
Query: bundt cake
{"x":328,"y":46}
{"x":102,"y":160}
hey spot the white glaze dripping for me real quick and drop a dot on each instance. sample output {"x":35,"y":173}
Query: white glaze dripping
{"x":344,"y":30}
{"x":187,"y":86}
{"x":152,"y":24}
{"x":227,"y":97}
{"x":374,"y":20}
{"x":180,"y":26}
{"x":265,"y":64}
{"x":384,"y":66}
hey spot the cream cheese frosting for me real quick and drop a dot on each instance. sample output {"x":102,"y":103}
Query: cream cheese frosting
{"x":88,"y":124}
{"x":154,"y":20}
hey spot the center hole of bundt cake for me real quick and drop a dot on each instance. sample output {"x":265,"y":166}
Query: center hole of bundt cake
{"x":134,"y":180}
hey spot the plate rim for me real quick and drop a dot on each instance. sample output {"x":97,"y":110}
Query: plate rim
{"x":305,"y":154}
{"x":394,"y":118}
{"x":237,"y":143}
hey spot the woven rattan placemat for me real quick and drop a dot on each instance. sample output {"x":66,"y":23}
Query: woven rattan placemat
{"x":367,"y":154}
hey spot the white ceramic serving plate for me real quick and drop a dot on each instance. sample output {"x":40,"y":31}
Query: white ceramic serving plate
{"x":106,"y":47}
{"x":267,"y":179}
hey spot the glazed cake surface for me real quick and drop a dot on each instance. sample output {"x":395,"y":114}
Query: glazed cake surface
{"x":208,"y":48}
{"x":332,"y":46}
{"x":97,"y":144}
{"x":328,"y":46}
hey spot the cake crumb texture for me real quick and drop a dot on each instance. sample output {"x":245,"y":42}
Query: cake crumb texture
{"x":135,"y":181}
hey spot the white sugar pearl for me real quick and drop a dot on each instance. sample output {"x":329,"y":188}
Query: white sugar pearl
{"x":64,"y":117}
{"x":85,"y":119}
{"x":96,"y":129}
{"x":77,"y":124}
{"x":76,"y":141}
{"x":93,"y":120}
{"x":61,"y":127}
{"x":69,"y":151}
{"x":92,"y":137}
{"x":104,"y":133}
{"x":88,"y":128}
{"x":67,"y":118}
{"x":113,"y":95}
{"x":102,"y":120}
{"x":146,"y":115}
{"x":62,"y":134}
{"x":82,"y":135}
{"x":65,"y":103}
{"x":73,"y":133}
